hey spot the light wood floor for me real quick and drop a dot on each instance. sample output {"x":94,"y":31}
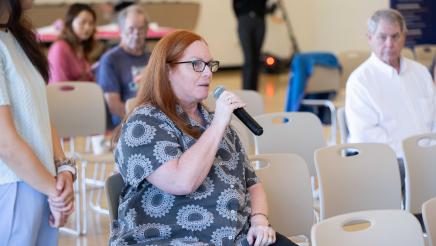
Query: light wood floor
{"x":272,"y":87}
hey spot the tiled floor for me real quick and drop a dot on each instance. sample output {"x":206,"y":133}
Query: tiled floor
{"x":272,"y":87}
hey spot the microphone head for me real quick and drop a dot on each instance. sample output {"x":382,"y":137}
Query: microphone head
{"x":218,"y":91}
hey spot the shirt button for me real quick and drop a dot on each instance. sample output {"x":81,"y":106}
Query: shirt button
{"x":233,"y":211}
{"x":230,"y":237}
{"x":232,"y":186}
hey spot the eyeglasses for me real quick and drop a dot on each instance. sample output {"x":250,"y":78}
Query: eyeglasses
{"x":199,"y":65}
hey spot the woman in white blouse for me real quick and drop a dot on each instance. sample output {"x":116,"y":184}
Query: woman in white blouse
{"x":34,"y":199}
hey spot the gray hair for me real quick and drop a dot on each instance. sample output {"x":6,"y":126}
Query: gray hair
{"x":132,"y":9}
{"x":390,"y":15}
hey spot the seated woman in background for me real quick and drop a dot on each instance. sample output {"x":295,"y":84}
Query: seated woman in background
{"x":68,"y":57}
{"x":188,"y":179}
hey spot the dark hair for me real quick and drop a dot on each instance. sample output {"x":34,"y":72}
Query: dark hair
{"x":68,"y":34}
{"x":23,"y":32}
{"x":156,"y":89}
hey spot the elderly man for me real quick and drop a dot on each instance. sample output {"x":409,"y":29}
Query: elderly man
{"x":389,"y":97}
{"x":120,"y":68}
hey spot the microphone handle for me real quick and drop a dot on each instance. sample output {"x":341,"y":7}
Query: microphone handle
{"x":248,"y":121}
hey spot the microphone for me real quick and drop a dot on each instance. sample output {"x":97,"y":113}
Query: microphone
{"x":242,"y":115}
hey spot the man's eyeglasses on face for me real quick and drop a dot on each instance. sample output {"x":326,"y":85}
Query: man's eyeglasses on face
{"x":199,"y":65}
{"x":139,"y":30}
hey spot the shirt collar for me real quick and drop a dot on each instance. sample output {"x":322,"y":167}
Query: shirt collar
{"x":388,"y":69}
{"x":207,"y":117}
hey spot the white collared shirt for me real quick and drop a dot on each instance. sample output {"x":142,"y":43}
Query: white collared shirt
{"x":385,"y":106}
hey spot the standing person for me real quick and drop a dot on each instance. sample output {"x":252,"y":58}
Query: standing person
{"x":36,"y":181}
{"x":251,"y":30}
{"x":69,"y":55}
{"x":389,"y":97}
{"x":188,"y":180}
{"x":119,"y":71}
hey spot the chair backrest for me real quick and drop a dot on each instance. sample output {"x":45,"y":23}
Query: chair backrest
{"x":420,"y":168}
{"x":253,"y":99}
{"x":408,"y":53}
{"x":244,"y":134}
{"x":429,"y":216}
{"x":323,"y":79}
{"x":290,"y":132}
{"x":342,"y":123}
{"x":287,"y":185}
{"x":113,"y":186}
{"x":77,"y":108}
{"x":425,"y":53}
{"x":354,"y":177}
{"x":386,"y":227}
{"x":350,"y":60}
{"x":130,"y":104}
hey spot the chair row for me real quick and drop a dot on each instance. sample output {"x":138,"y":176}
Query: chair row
{"x":286,"y":182}
{"x":367,"y":180}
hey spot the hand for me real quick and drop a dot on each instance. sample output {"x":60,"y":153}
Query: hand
{"x":261,"y":235}
{"x":139,"y":78}
{"x":56,"y":219}
{"x":64,"y":202}
{"x":225,"y":104}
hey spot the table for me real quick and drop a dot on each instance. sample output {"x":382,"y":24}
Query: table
{"x":109,"y":32}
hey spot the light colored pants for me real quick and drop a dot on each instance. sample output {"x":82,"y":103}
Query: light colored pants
{"x":24,"y":216}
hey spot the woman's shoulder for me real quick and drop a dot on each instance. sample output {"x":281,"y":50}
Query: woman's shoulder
{"x":61,"y":46}
{"x":147,"y":112}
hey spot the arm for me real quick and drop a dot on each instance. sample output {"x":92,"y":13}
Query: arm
{"x":362,"y":117}
{"x":64,"y":181}
{"x":116,"y":106}
{"x":184,"y":175}
{"x":109,"y":80}
{"x":21,"y":159}
{"x":258,"y":204}
{"x":260,"y":233}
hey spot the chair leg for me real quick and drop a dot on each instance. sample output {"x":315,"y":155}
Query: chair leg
{"x":98,"y":183}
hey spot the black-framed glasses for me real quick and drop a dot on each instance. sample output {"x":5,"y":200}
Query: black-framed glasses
{"x":199,"y":65}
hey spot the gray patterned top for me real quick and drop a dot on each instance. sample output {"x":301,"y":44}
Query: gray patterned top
{"x":215,"y":214}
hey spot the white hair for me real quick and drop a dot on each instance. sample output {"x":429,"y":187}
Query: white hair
{"x":390,"y":15}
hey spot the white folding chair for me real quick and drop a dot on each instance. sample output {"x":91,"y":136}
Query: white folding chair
{"x":420,"y":169}
{"x":253,"y":99}
{"x":77,"y":109}
{"x":244,"y":134}
{"x":114,"y":186}
{"x":287,"y":185}
{"x":429,"y":216}
{"x":323,"y":80}
{"x":290,"y":132}
{"x":386,"y":227}
{"x":350,"y":60}
{"x":425,"y":53}
{"x":408,"y":53}
{"x":342,"y":123}
{"x":354,"y":177}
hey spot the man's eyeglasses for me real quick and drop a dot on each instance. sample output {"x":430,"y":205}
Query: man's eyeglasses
{"x":199,"y":65}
